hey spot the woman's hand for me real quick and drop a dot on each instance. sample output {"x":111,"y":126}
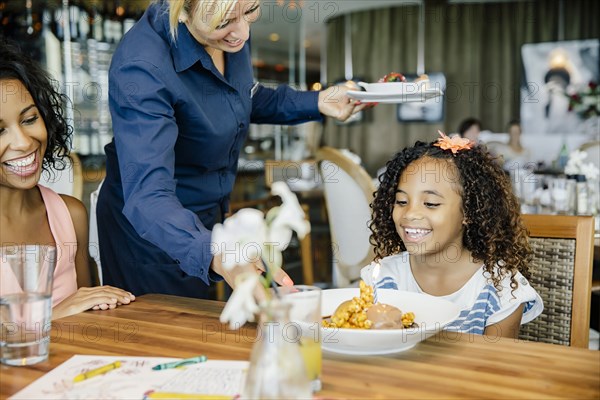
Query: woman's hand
{"x":280,"y":277}
{"x":335,"y":103}
{"x":95,"y":298}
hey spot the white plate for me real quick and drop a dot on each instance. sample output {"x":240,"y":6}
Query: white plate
{"x":377,"y":97}
{"x":360,"y":352}
{"x":431,"y":314}
{"x":394,"y":87}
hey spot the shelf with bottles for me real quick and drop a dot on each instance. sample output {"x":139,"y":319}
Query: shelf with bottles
{"x":94,"y":29}
{"x":91,"y":29}
{"x":103,"y":21}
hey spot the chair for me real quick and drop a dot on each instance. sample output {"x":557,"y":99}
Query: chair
{"x":563,"y":249}
{"x":300,"y":176}
{"x":94,"y":243}
{"x":67,"y":181}
{"x":348,"y":194}
{"x":276,"y":171}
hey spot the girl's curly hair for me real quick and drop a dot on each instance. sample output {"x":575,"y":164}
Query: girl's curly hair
{"x":494,"y":232}
{"x":16,"y":65}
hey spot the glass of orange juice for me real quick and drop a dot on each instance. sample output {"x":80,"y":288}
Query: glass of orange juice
{"x":305,"y":317}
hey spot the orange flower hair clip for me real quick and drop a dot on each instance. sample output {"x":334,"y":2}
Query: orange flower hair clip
{"x":454,"y":143}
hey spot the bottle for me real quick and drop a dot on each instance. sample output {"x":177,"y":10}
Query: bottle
{"x":563,"y":157}
{"x":73,"y":20}
{"x":129,"y":18}
{"x":107,"y":28}
{"x":84,"y":24}
{"x":117,"y":21}
{"x":582,"y":195}
{"x":59,"y":20}
{"x":97,"y":25}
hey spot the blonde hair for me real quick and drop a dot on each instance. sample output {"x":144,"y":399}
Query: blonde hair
{"x":210,"y":11}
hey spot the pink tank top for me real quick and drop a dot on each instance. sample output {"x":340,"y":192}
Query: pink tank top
{"x":61,"y":226}
{"x":63,"y":231}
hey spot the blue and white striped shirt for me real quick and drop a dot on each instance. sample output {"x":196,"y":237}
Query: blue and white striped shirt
{"x":480,"y":303}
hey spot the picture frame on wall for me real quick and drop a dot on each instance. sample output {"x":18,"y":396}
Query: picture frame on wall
{"x":553,"y":73}
{"x":430,"y":111}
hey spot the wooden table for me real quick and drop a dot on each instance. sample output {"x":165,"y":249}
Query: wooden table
{"x":444,"y":366}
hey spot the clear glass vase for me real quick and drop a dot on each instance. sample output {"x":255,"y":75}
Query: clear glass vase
{"x":277,"y":369}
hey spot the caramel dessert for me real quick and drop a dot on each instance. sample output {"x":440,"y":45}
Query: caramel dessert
{"x":361,"y":313}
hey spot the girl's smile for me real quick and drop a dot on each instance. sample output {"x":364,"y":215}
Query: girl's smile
{"x":412,"y":234}
{"x":428,"y":209}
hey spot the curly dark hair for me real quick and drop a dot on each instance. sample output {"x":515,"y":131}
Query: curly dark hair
{"x":494,"y":232}
{"x":16,"y":65}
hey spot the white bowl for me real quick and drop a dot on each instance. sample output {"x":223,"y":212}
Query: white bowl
{"x":431,"y":314}
{"x":394,"y":87}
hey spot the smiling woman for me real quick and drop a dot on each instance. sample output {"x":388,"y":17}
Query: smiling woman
{"x":33,"y":136}
{"x":21,"y":160}
{"x":212,"y":16}
{"x":220,"y":26}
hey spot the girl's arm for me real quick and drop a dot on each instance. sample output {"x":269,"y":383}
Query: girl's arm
{"x":508,"y":327}
{"x":79,"y":217}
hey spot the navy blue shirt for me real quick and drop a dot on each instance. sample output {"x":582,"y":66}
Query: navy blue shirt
{"x":179,"y":125}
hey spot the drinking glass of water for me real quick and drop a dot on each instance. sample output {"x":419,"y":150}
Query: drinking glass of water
{"x":563,"y":195}
{"x":26,"y":273}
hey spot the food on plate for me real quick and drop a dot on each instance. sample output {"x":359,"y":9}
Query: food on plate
{"x":361,"y":313}
{"x":393,"y":77}
{"x":352,"y":313}
{"x":397,"y":77}
{"x":385,"y":316}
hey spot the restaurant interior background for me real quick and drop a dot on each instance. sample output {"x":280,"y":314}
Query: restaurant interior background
{"x":473,"y":49}
{"x":475,"y":45}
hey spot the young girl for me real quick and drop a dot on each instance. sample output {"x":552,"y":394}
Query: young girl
{"x":446,"y":223}
{"x":35,"y":136}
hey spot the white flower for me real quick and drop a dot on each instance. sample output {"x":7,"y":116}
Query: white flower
{"x":590,"y":171}
{"x":239,"y":240}
{"x":241,"y":306}
{"x":289,"y":216}
{"x":578,"y":156}
{"x":571,"y":168}
{"x":247,"y":236}
{"x":576,"y":166}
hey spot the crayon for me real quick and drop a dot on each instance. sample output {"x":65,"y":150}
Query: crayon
{"x":180,"y":363}
{"x":98,"y":371}
{"x":185,"y":396}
